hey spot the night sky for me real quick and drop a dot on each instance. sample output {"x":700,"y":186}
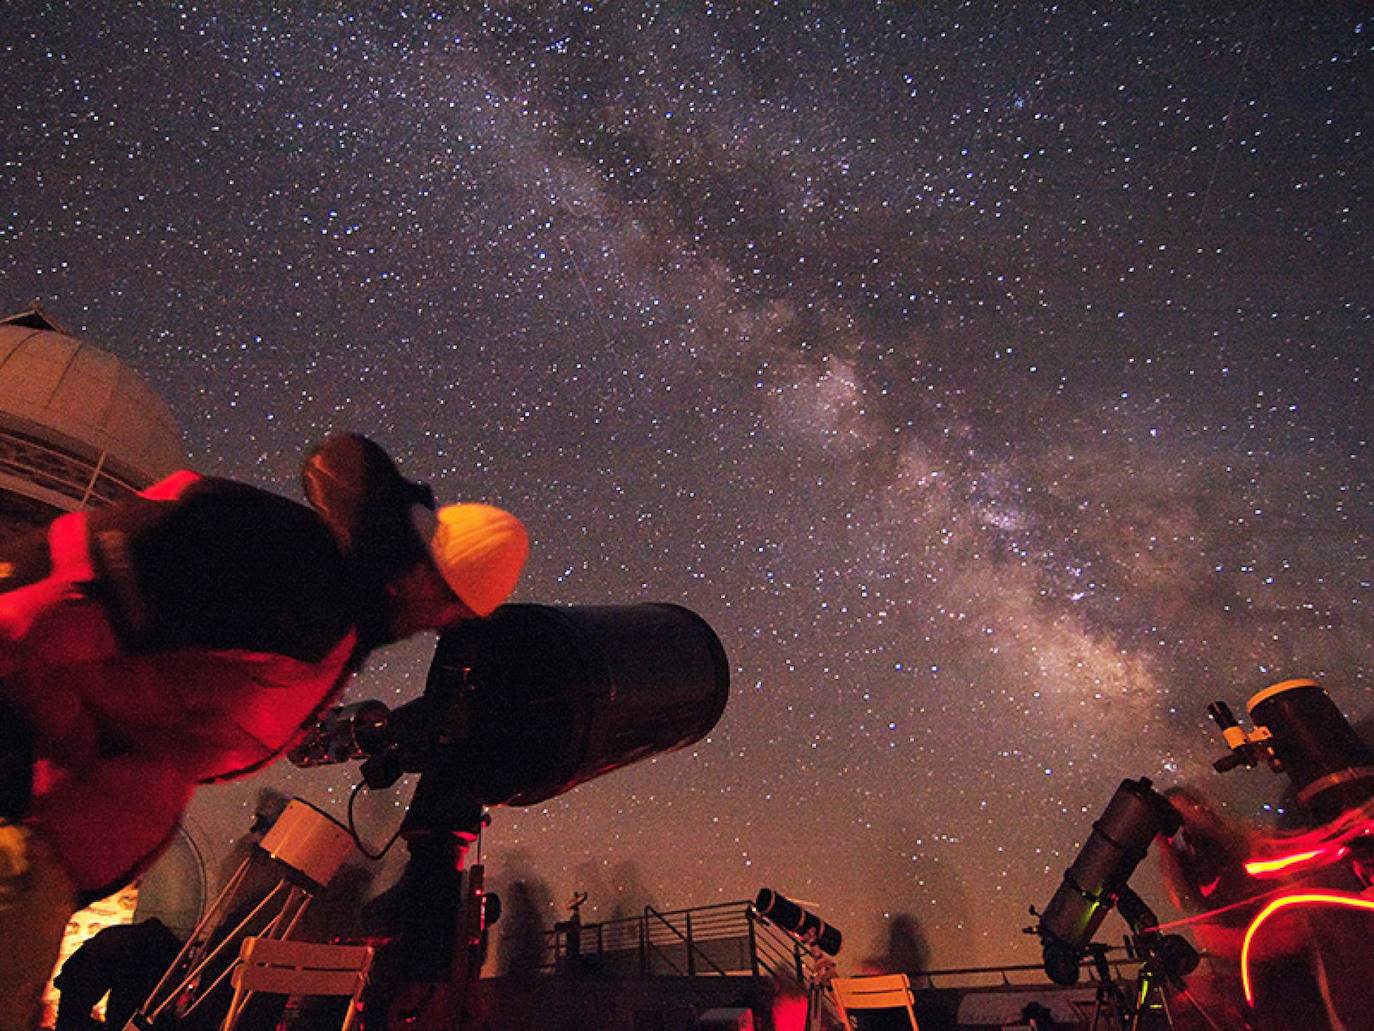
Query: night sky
{"x":997,"y":380}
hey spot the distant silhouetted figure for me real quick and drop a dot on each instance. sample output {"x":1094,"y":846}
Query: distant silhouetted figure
{"x":521,"y":937}
{"x":1038,"y":1017}
{"x":125,"y":960}
{"x":905,"y":951}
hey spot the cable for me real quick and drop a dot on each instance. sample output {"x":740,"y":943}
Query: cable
{"x":353,"y":828}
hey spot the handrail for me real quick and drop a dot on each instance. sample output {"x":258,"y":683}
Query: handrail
{"x":686,"y":940}
{"x":655,"y":931}
{"x":765,"y":951}
{"x":1126,"y":960}
{"x":69,"y":474}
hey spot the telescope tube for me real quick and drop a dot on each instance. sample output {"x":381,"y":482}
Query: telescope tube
{"x":552,"y":696}
{"x":797,"y":921}
{"x":1119,"y":841}
{"x":1329,"y":765}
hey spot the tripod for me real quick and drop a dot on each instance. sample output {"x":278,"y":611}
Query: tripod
{"x":818,"y":980}
{"x":439,"y":912}
{"x":1113,"y":1010}
{"x":305,"y":847}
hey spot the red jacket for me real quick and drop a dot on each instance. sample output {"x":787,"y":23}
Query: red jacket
{"x":174,"y":641}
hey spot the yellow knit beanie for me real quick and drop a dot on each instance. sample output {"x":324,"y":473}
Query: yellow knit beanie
{"x":479,"y":550}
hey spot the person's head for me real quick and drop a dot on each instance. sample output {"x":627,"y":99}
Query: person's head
{"x":1204,"y":824}
{"x":1206,"y":854}
{"x":475,"y":556}
{"x":270,"y":805}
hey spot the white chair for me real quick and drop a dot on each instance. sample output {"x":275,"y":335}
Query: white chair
{"x":299,"y":968}
{"x":878,"y":992}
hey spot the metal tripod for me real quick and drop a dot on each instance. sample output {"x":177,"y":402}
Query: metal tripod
{"x":818,"y":980}
{"x":1113,"y":1011}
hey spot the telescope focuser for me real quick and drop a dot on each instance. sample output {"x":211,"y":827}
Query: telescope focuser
{"x":1246,"y":748}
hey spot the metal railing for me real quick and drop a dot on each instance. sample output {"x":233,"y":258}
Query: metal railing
{"x":729,"y":939}
{"x":85,"y":482}
{"x":1022,"y":975}
{"x":720,"y":940}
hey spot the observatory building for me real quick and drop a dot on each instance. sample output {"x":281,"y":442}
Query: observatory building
{"x":78,"y":427}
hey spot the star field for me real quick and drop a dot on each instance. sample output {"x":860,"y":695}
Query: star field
{"x":995,"y":379}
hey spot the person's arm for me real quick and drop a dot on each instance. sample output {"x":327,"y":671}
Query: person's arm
{"x":110,"y":820}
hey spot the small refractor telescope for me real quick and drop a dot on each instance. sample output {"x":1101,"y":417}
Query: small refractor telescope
{"x":800,"y":923}
{"x":1097,"y":882}
{"x":1300,"y":731}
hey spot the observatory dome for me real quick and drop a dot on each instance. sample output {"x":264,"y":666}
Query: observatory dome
{"x":78,"y":427}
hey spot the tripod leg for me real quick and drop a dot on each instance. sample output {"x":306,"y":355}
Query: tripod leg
{"x":1164,"y":1005}
{"x":1107,"y":1006}
{"x":1143,"y":989}
{"x":1148,"y":987}
{"x":813,"y":1009}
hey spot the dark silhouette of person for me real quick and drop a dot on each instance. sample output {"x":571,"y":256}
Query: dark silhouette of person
{"x":125,"y":960}
{"x":905,"y":949}
{"x":521,"y":940}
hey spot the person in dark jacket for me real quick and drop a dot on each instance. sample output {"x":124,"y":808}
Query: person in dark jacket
{"x":125,"y":960}
{"x":183,"y":638}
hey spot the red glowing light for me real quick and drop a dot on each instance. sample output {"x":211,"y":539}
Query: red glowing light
{"x":1317,"y":848}
{"x":1330,"y":898}
{"x":789,"y":1013}
{"x":1263,"y":867}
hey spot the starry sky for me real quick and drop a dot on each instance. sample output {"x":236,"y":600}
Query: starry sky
{"x":995,"y":379}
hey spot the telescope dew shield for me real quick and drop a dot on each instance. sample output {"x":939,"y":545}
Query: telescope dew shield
{"x":557,"y":695}
{"x":1119,"y":841}
{"x":1328,"y":763}
{"x":797,"y":921}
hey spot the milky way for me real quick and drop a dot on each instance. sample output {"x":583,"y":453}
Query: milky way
{"x":996,"y":380}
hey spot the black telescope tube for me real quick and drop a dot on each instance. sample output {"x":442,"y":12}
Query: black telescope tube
{"x":531,"y":702}
{"x":543,"y":698}
{"x":1119,"y":841}
{"x":797,"y":921}
{"x":1328,"y":763}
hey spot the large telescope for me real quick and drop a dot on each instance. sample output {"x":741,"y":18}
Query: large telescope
{"x":1097,"y":882}
{"x":1300,"y":731}
{"x":518,"y":708}
{"x":536,"y":699}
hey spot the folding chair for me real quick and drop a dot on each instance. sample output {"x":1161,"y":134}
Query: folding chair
{"x":299,"y":968}
{"x":879,"y":992}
